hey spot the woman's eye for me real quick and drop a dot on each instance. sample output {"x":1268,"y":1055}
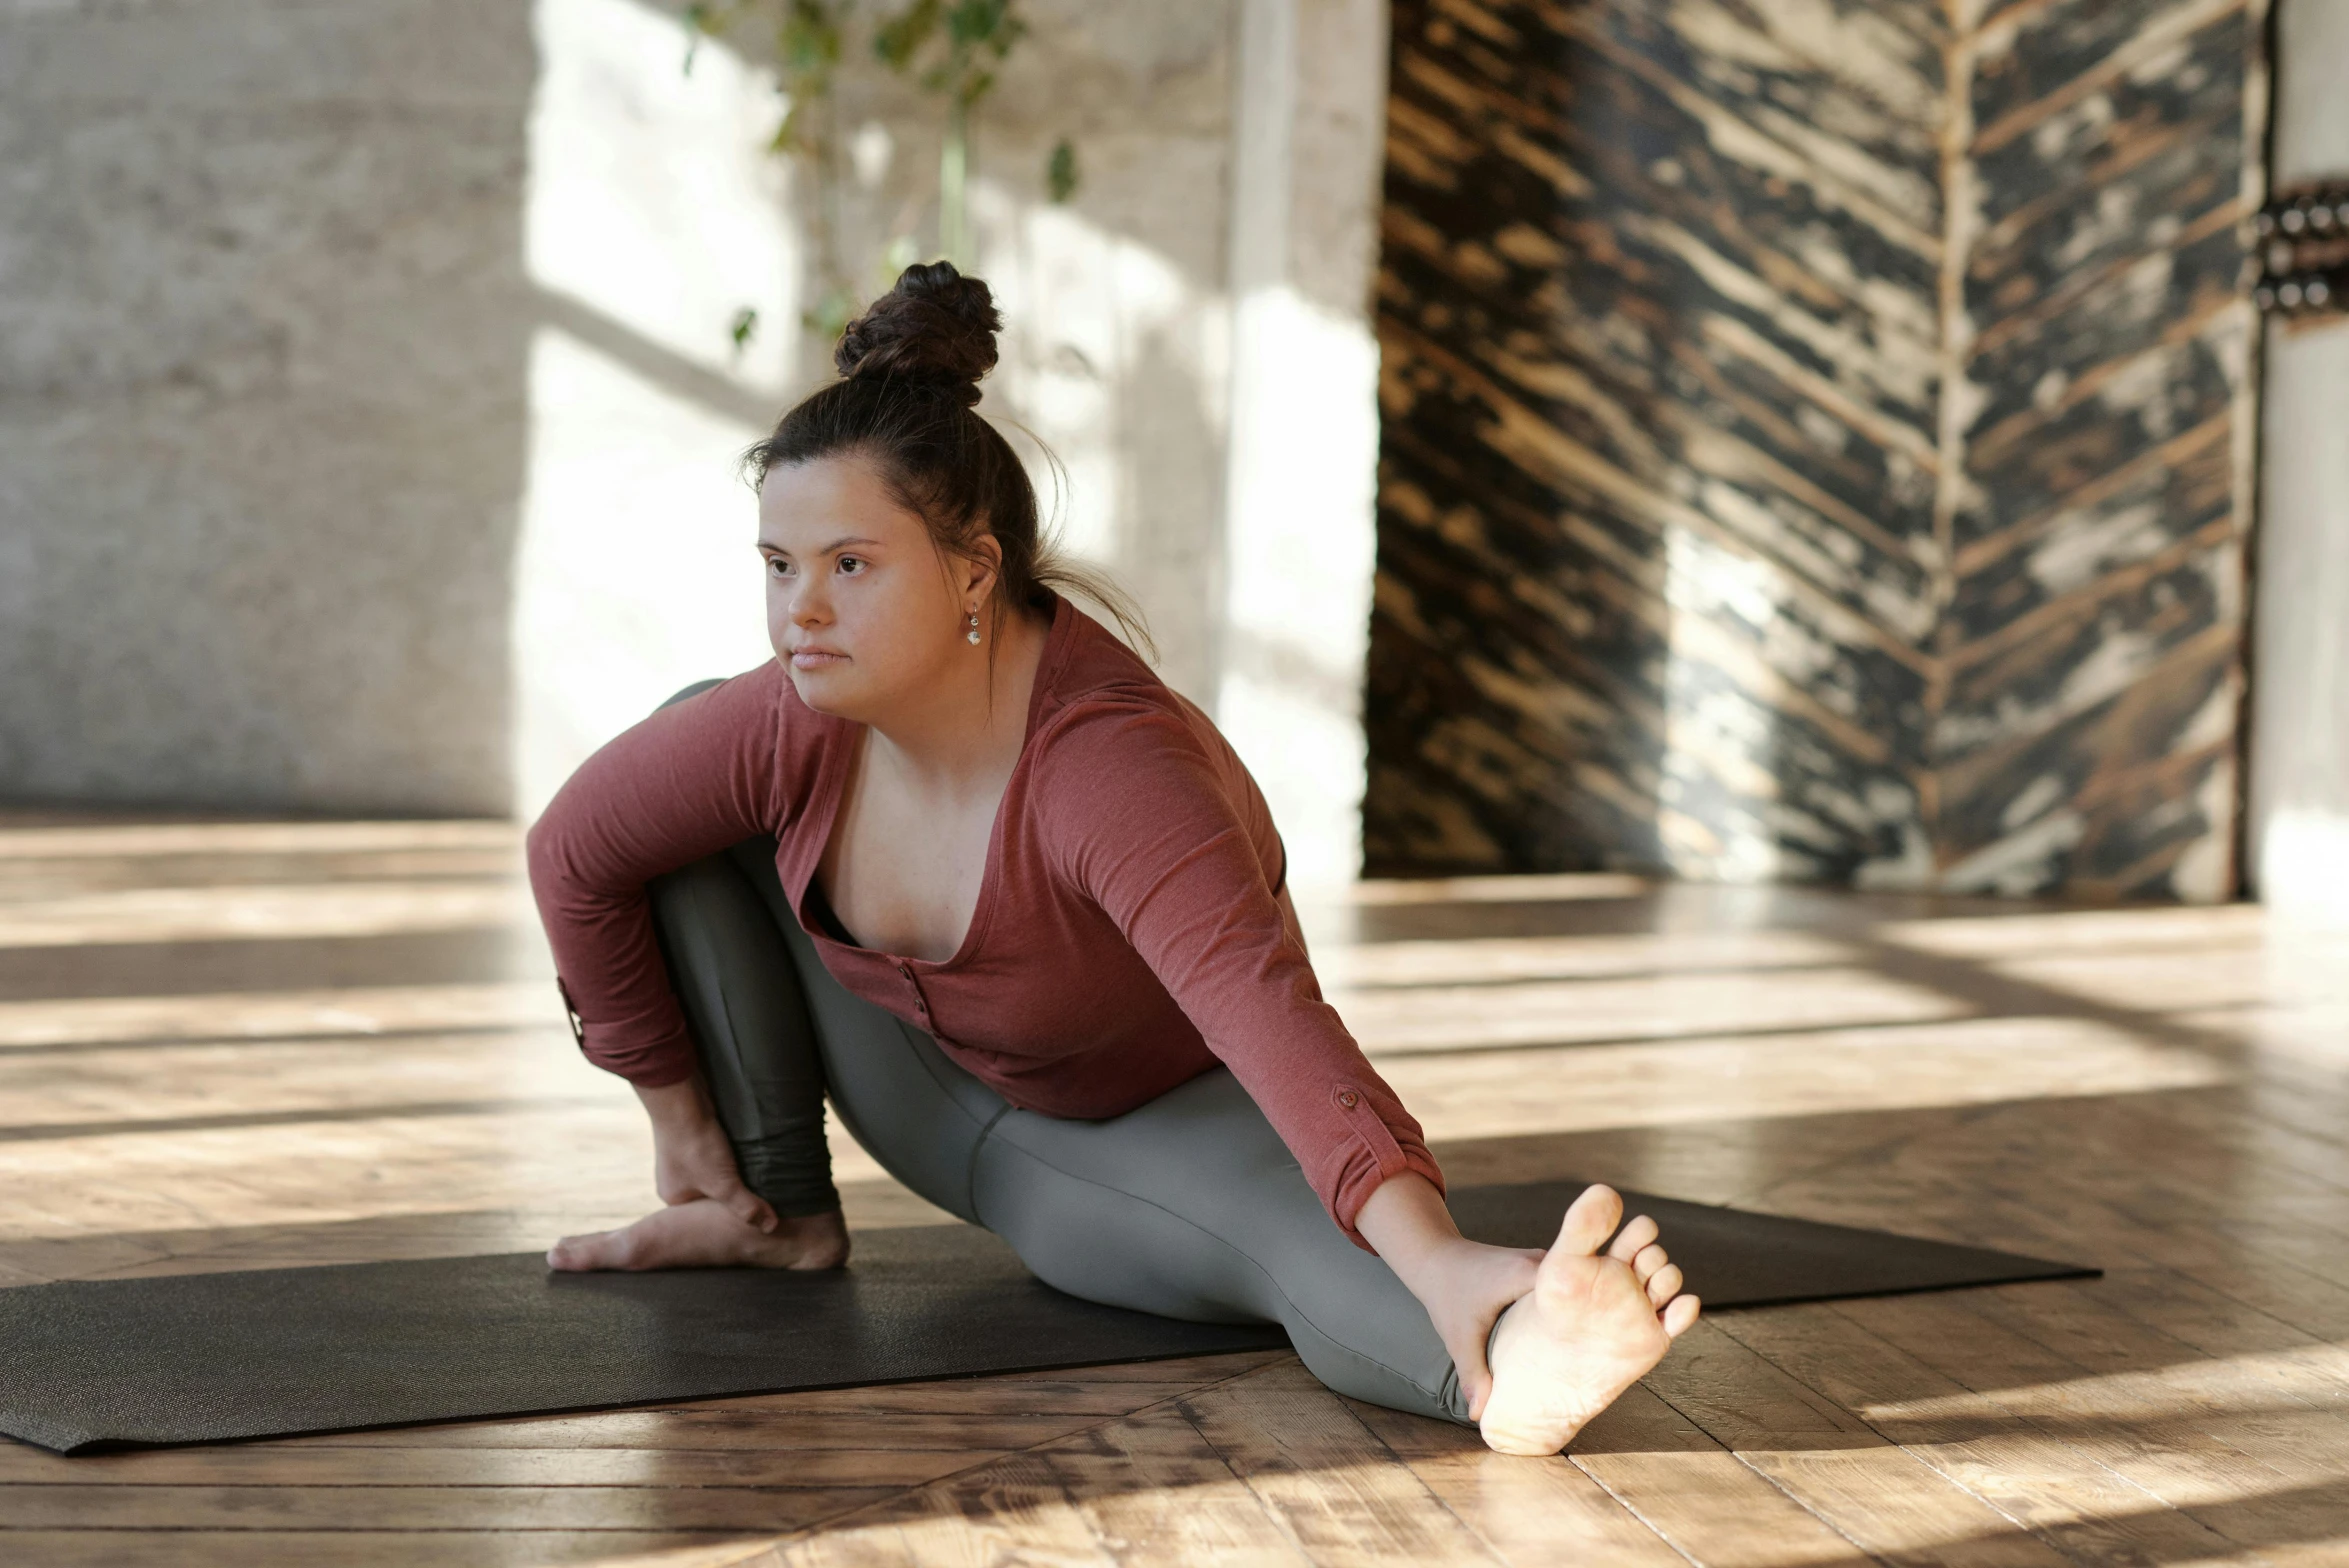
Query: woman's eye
{"x":852,"y":564}
{"x":778,"y":566}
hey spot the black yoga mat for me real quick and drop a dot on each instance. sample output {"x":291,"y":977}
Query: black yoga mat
{"x":198,"y":1358}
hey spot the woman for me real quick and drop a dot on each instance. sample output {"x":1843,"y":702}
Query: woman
{"x":961,"y":860}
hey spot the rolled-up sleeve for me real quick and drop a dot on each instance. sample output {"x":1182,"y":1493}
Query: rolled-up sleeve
{"x":1140,"y":819}
{"x":685,"y":783}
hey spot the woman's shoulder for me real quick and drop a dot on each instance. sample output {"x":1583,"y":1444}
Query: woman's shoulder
{"x":1122,"y":756}
{"x":1094,"y":684}
{"x":1105,"y":706}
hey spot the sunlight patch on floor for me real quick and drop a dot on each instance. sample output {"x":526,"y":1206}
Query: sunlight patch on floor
{"x":2150,"y":928}
{"x":1965,"y":1062}
{"x":248,"y":913}
{"x":1462,"y":1018}
{"x":249,"y":838}
{"x":1515,"y":889}
{"x":266,"y":1015}
{"x":1475,"y":960}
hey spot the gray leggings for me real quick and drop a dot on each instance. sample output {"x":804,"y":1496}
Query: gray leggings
{"x":1190,"y":1206}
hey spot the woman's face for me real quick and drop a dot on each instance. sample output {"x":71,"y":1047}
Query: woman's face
{"x":865,"y":613}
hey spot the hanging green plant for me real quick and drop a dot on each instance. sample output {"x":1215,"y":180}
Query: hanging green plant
{"x":951,"y":49}
{"x":809,"y":40}
{"x":1060,"y":172}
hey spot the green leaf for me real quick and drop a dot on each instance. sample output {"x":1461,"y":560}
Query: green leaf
{"x":745,"y":327}
{"x":788,"y":137}
{"x":900,"y":38}
{"x":1060,"y":172}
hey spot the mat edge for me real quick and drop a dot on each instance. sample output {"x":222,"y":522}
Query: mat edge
{"x":97,"y":1446}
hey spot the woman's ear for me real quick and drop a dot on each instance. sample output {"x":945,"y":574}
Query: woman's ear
{"x":982,"y":568}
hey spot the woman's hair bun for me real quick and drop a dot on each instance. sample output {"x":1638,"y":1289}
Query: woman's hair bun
{"x":936,"y":325}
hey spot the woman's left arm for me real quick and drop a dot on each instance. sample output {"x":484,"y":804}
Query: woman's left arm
{"x":1143,"y":820}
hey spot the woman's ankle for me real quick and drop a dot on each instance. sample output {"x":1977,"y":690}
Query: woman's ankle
{"x":820,"y":1241}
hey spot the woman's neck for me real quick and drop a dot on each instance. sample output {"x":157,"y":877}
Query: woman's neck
{"x":971,"y":728}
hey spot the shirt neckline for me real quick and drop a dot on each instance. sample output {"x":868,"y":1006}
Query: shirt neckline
{"x":832,"y":787}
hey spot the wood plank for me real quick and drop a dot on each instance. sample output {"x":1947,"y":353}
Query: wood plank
{"x":1860,"y":1484}
{"x":1334,"y":1487}
{"x":2030,"y":1475}
{"x":262,"y":1548}
{"x":1697,"y":1495}
{"x":1527,"y":1512}
{"x":1013,"y":1510}
{"x":1158,"y":1495}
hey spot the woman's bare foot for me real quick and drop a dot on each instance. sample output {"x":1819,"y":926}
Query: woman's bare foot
{"x":706,"y":1234}
{"x":1592,"y":1326}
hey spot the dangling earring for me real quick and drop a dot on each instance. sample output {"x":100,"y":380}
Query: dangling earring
{"x":972,"y":636}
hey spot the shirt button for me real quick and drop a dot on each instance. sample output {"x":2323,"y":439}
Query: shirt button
{"x":1349,"y":1099}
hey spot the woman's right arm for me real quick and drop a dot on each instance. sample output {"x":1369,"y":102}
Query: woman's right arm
{"x":686,"y":782}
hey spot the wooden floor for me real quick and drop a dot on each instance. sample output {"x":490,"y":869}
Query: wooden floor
{"x":239,"y":1045}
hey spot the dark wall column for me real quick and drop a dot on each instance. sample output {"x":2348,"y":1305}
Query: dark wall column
{"x":1815,"y":449}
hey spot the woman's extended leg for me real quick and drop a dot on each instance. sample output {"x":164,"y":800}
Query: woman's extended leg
{"x":1191,"y":1206}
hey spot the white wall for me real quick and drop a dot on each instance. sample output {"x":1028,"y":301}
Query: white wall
{"x":1300,"y":533}
{"x":652,"y":215}
{"x":263,"y":338}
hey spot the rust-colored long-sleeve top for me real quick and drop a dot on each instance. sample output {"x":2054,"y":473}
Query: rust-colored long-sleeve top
{"x":1126,"y":938}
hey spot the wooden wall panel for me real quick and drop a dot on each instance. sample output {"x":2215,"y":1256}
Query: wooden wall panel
{"x":1816,"y":441}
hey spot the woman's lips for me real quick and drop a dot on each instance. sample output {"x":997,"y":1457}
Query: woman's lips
{"x":816,"y":658}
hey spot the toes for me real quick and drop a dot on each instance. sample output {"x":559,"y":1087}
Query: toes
{"x":1680,"y":1316}
{"x":1646,"y":1261}
{"x":1590,"y":1220}
{"x":1633,"y":1236}
{"x":578,"y":1253}
{"x":1663,"y":1285}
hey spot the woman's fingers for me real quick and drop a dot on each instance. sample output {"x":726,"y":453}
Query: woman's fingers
{"x":748,"y":1207}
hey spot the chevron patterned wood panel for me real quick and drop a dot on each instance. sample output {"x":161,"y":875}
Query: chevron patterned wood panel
{"x":1817,"y":441}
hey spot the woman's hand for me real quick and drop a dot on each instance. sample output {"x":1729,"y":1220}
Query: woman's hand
{"x":1465,"y":1285}
{"x":692,"y":1158}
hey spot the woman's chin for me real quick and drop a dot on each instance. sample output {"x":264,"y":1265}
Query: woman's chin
{"x":825,"y":688}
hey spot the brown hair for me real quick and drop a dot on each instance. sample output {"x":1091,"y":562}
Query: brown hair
{"x":906,"y":401}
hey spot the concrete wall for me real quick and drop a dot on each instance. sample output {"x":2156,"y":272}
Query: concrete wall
{"x":2299,"y":807}
{"x":368,"y":409}
{"x":262,"y":333}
